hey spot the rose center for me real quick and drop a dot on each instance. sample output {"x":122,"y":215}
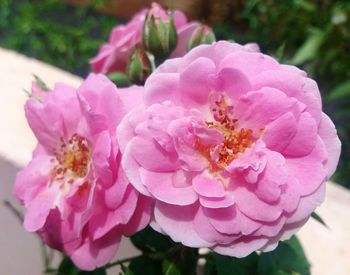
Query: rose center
{"x":236,"y":139}
{"x":73,"y":158}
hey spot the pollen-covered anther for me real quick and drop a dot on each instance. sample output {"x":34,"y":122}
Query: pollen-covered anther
{"x":235,"y":142}
{"x":73,"y":158}
{"x":236,"y":139}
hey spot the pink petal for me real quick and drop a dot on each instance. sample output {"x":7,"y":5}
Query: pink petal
{"x":257,"y":109}
{"x":131,"y":97}
{"x":31,"y":180}
{"x":160,"y":87}
{"x":207,"y":232}
{"x":275,"y":174}
{"x":328,"y":134}
{"x":309,"y":170}
{"x":195,"y":82}
{"x":47,"y":128}
{"x":305,"y":138}
{"x":104,"y":221}
{"x":216,"y":52}
{"x":180,"y":19}
{"x":232,"y":82}
{"x":142,"y":216}
{"x":125,"y":130}
{"x":293,"y":85}
{"x":308,"y":204}
{"x":184,"y":34}
{"x":208,"y":187}
{"x":290,"y":195}
{"x":100,"y":103}
{"x":271,"y":229}
{"x":100,"y":155}
{"x":242,"y":247}
{"x":250,"y":64}
{"x":253,"y":207}
{"x":149,"y":155}
{"x":38,"y":210}
{"x":93,"y":254}
{"x":231,"y":220}
{"x":286,"y":233}
{"x":212,"y":202}
{"x":131,"y":168}
{"x":177,"y":222}
{"x":278,"y":133}
{"x":163,"y":188}
{"x":115,"y":194}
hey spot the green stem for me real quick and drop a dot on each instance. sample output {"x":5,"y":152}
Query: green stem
{"x":119,"y":262}
{"x":14,"y":210}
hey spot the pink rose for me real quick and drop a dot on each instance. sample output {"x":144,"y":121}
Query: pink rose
{"x":75,"y":193}
{"x":233,"y":147}
{"x":113,"y":55}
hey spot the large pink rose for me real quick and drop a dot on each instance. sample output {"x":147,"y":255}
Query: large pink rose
{"x":113,"y":55}
{"x":75,"y":193}
{"x":233,"y":147}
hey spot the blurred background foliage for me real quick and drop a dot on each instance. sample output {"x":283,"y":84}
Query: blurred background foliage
{"x":312,"y":34}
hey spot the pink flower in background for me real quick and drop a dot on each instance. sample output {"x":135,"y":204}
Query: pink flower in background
{"x":75,"y":193}
{"x":233,"y":147}
{"x":113,"y":55}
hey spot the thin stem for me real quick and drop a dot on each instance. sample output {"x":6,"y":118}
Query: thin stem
{"x":46,"y":257}
{"x":13,"y":209}
{"x":119,"y":262}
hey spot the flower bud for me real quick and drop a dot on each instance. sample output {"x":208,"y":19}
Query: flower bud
{"x":120,"y":79}
{"x":139,"y":66}
{"x":159,"y":32}
{"x":39,"y":89}
{"x":201,"y":35}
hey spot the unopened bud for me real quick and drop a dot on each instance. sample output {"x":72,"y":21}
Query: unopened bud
{"x":159,"y":32}
{"x":39,"y":89}
{"x":201,"y":35}
{"x":139,"y":67}
{"x":120,"y":79}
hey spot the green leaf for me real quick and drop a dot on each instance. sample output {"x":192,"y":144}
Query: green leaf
{"x":185,"y":258}
{"x":145,"y":265}
{"x":319,"y":219}
{"x":41,"y":83}
{"x":287,"y":258}
{"x":149,"y":240}
{"x":339,"y":92}
{"x":120,"y":79}
{"x":310,"y":48}
{"x":280,"y":51}
{"x":170,"y":268}
{"x":67,"y":267}
{"x":98,"y":271}
{"x":226,"y":265}
{"x":210,"y":268}
{"x":126,"y":270}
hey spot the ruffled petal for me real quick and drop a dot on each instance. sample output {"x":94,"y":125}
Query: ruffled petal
{"x":177,"y":222}
{"x":328,"y":134}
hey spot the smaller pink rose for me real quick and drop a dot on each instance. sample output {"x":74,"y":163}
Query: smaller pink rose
{"x":74,"y":191}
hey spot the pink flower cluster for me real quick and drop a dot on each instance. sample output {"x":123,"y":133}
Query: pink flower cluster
{"x":223,"y":148}
{"x":113,"y":55}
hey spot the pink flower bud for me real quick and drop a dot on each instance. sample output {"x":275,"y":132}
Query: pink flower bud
{"x":203,"y":34}
{"x":159,"y":32}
